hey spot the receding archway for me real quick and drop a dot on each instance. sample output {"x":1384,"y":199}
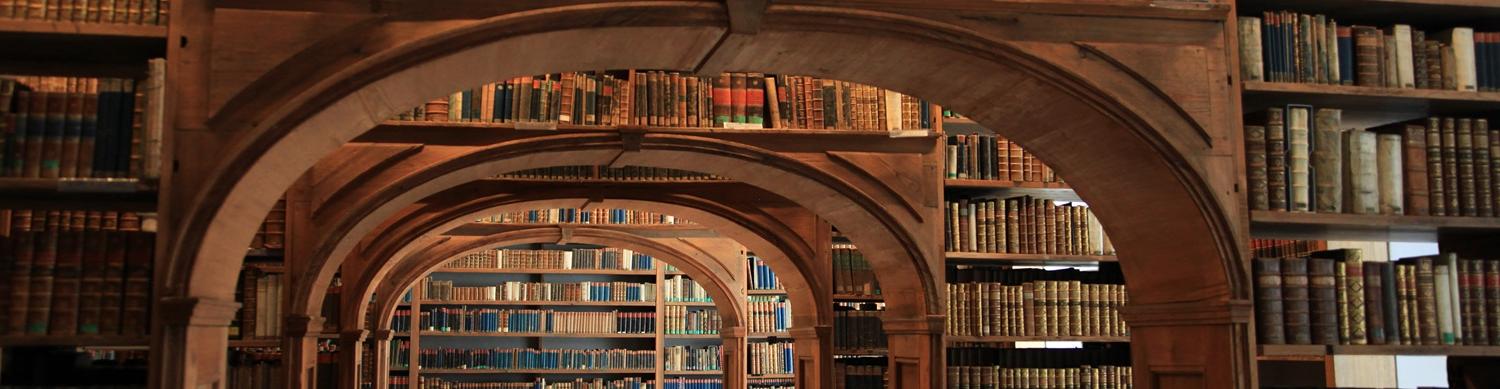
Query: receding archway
{"x":1187,"y":255}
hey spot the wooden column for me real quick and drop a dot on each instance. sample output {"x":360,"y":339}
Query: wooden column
{"x":300,"y":350}
{"x":380,"y":358}
{"x":191,"y":343}
{"x":1191,"y":345}
{"x":916,"y":352}
{"x":736,"y":356}
{"x":351,"y":351}
{"x":813,"y":347}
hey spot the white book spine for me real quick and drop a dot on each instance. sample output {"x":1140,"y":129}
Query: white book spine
{"x":1298,"y":154}
{"x":1388,"y":154}
{"x":1444,"y":303}
{"x":1405,"y":71}
{"x":1252,"y":67}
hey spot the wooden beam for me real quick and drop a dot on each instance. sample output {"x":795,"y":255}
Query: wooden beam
{"x":745,"y":15}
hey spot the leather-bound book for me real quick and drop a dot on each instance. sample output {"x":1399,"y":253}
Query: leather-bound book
{"x":1427,"y":311}
{"x":89,"y":129}
{"x":1407,"y":302}
{"x":1388,"y":150}
{"x":1375,"y":324}
{"x":1419,"y":58}
{"x":1299,"y":154}
{"x":1492,"y":300}
{"x":1323,"y":301}
{"x":23,"y":242}
{"x":1327,"y":161}
{"x":1269,"y":319}
{"x":723,"y":100}
{"x":1413,"y":164}
{"x":1352,"y":260}
{"x":1388,"y":303}
{"x":1464,"y":151}
{"x":1361,"y":177}
{"x":1494,"y":151}
{"x":72,"y":128}
{"x":1367,"y":59}
{"x":1460,"y":45}
{"x":114,"y":275}
{"x":40,"y":308}
{"x":136,"y":302}
{"x":1341,"y":282}
{"x":56,"y":127}
{"x":1276,"y":159}
{"x":1451,"y":194}
{"x":1436,"y":181}
{"x":1294,"y":292}
{"x":67,"y":275}
{"x":36,"y":132}
{"x":1483,"y":169}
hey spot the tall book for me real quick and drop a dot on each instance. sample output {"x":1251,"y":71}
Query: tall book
{"x":23,"y":243}
{"x":67,"y":275}
{"x":1405,"y":73}
{"x":1255,"y":165}
{"x":91,"y":284}
{"x":1375,"y":324}
{"x":1252,"y":67}
{"x":1436,"y":182}
{"x":40,"y":308}
{"x":1463,"y":145}
{"x":1389,"y":168}
{"x":1276,"y":159}
{"x":1323,"y":301}
{"x":1445,"y":304}
{"x":1269,"y":319}
{"x":1460,"y":47}
{"x":1327,"y":164}
{"x":1451,"y":195}
{"x":1484,"y":166}
{"x":1354,"y":287}
{"x":1361,"y":177}
{"x":1367,"y":61}
{"x":1427,"y":302}
{"x":1394,"y":331}
{"x":1299,"y":153}
{"x":1413,"y":163}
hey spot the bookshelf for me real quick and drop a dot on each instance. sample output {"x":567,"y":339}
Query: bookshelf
{"x":1373,"y":104}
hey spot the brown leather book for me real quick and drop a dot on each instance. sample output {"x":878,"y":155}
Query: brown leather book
{"x":1367,"y":56}
{"x":1464,"y":153}
{"x":1255,"y":166}
{"x":1451,"y":193}
{"x":1294,"y":292}
{"x":1436,"y":181}
{"x":39,"y":311}
{"x":114,"y":275}
{"x":89,"y":129}
{"x":1426,"y":302}
{"x":36,"y":133}
{"x":1276,"y":159}
{"x":72,"y":127}
{"x":1406,"y":303}
{"x":1323,"y":302}
{"x":1269,"y":319}
{"x":1374,"y":288}
{"x":67,"y":274}
{"x":91,"y":278}
{"x":24,"y":246}
{"x":1328,"y":161}
{"x":1414,"y":173}
{"x":56,"y":127}
{"x":1494,"y":151}
{"x":1483,"y":168}
{"x":1492,"y":300}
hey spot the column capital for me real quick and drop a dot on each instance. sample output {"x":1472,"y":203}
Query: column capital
{"x":736,"y":332}
{"x":810,"y":332}
{"x":353,"y":336}
{"x":923,"y":325}
{"x":1187,"y":313}
{"x":303,"y":325}
{"x":382,"y":335}
{"x":197,"y":311}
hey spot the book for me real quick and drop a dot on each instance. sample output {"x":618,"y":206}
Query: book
{"x":1299,"y":154}
{"x":1256,"y":167}
{"x":1276,"y":160}
{"x":1460,"y":47}
{"x":1295,"y":303}
{"x":1390,"y":170}
{"x":1251,"y":64}
{"x":1374,"y":288}
{"x":1269,"y":320}
{"x":1360,"y":178}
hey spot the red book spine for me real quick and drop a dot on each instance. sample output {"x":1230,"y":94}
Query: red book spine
{"x":723,"y":104}
{"x":755,"y":98}
{"x":737,"y":97}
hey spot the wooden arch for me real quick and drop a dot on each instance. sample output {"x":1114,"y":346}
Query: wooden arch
{"x":1126,"y":147}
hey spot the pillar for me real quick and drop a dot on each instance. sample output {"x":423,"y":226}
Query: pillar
{"x":380,"y":358}
{"x":915,"y":346}
{"x":300,"y":346}
{"x":813,"y":347}
{"x":351,"y":351}
{"x":190,"y":342}
{"x":1191,"y":345}
{"x":735,"y":360}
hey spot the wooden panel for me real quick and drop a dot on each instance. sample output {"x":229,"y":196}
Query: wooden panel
{"x":1421,"y":13}
{"x":1329,"y":226}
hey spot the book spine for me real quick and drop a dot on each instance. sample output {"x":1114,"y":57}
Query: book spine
{"x":1299,"y":167}
{"x":1256,"y":167}
{"x":1276,"y":160}
{"x":1389,"y":169}
{"x":1270,"y":322}
{"x":1294,"y":291}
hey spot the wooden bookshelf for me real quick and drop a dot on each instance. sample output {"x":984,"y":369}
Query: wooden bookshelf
{"x":644,"y":230}
{"x":1048,"y":190}
{"x":537,"y":371}
{"x":73,"y":340}
{"x":692,"y":303}
{"x":1377,"y":104}
{"x":765,"y":292}
{"x":1315,"y":351}
{"x":606,"y":272}
{"x":256,"y":342}
{"x":768,"y":335}
{"x":694,"y":336}
{"x":1027,"y":259}
{"x":72,"y":194}
{"x":537,"y":335}
{"x":40,"y":47}
{"x":543,"y":303}
{"x":1335,"y":226}
{"x":478,"y":133}
{"x":774,"y":376}
{"x":857,"y":297}
{"x":1283,"y":350}
{"x":1008,"y":339}
{"x":693,"y":373}
{"x":1476,"y":13}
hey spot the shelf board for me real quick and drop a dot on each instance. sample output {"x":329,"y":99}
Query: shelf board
{"x":1292,"y":350}
{"x":692,"y":303}
{"x":694,"y":336}
{"x":74,"y":340}
{"x":1008,"y":339}
{"x":773,"y":376}
{"x":706,"y":372}
{"x":535,"y":335}
{"x":551,"y":303}
{"x":860,"y":351}
{"x":766,"y":335}
{"x":1048,"y":190}
{"x":480,"y":133}
{"x":536,"y":371}
{"x":74,"y":194}
{"x":1449,"y":350}
{"x":765,"y":292}
{"x":857,"y":297}
{"x":80,"y":49}
{"x":1380,"y":105}
{"x":1422,"y":13}
{"x":548,"y":271}
{"x":1028,"y":259}
{"x":643,"y":230}
{"x":1335,"y":226}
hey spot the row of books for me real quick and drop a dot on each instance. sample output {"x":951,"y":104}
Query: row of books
{"x":272,"y":232}
{"x":1107,"y":273}
{"x":857,"y":326}
{"x":1039,"y":308}
{"x":681,"y":320}
{"x":260,"y":295}
{"x":150,"y":12}
{"x":1334,"y":297}
{"x":770,"y":383}
{"x":1303,"y":160}
{"x":400,"y":350}
{"x":692,"y":358}
{"x":989,"y":355}
{"x":604,"y":258}
{"x":75,"y":272}
{"x":992,"y":157}
{"x":692,"y":383}
{"x":583,"y":216}
{"x":769,"y":313}
{"x":858,"y":375}
{"x":761,"y":276}
{"x":1100,"y":377}
{"x":73,"y":127}
{"x":1025,"y":225}
{"x":501,"y":358}
{"x":1290,"y":47}
{"x":852,"y":274}
{"x":680,"y":289}
{"x":429,"y":382}
{"x":255,"y":368}
{"x":1281,"y":248}
{"x":521,"y":291}
{"x":491,"y":320}
{"x":672,"y":99}
{"x":770,"y":358}
{"x":622,"y":173}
